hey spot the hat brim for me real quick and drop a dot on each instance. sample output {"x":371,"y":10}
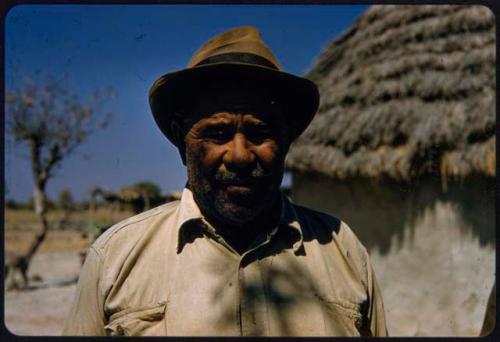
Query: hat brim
{"x":299,"y":96}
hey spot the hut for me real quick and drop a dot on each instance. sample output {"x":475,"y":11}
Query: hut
{"x":403,"y":150}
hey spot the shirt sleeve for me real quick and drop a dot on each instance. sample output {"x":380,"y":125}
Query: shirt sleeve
{"x":376,"y":314}
{"x":86,"y":316}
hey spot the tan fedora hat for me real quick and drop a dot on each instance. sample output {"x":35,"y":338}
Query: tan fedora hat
{"x":238,"y":53}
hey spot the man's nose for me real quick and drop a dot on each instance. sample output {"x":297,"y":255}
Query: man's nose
{"x":239,"y":155}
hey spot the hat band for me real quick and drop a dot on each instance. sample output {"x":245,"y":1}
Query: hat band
{"x":238,"y":57}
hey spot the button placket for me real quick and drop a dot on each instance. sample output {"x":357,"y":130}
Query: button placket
{"x":243,"y":260}
{"x":240,"y":285}
{"x":242,"y":265}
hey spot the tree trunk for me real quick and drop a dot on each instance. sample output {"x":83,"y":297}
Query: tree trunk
{"x":41,"y":174}
{"x":21,"y":263}
{"x":40,"y":199}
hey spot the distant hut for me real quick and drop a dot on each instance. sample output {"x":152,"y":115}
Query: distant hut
{"x":403,"y":150}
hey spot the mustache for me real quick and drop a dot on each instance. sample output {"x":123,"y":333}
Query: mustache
{"x":254,"y":176}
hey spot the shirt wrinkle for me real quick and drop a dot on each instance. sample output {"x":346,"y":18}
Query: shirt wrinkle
{"x":97,"y":253}
{"x":104,"y":239}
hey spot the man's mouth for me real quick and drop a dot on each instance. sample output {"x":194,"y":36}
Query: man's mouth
{"x":240,"y":182}
{"x":241,"y":187}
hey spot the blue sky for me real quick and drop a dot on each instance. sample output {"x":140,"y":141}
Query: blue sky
{"x":128,"y":47}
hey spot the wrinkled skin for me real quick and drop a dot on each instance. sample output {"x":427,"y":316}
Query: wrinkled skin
{"x":235,"y":152}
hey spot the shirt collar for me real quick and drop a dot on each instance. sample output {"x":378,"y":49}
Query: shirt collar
{"x":190,"y":217}
{"x":188,"y":209}
{"x":290,"y":220}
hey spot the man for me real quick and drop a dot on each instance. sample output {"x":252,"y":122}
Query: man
{"x":233,"y":257}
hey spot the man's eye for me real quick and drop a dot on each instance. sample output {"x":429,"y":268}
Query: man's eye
{"x":219,"y":133}
{"x":260,"y":134}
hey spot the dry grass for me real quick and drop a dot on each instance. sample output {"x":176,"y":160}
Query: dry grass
{"x":406,"y":91}
{"x":25,"y":219}
{"x":56,"y":241}
{"x":22,"y":225}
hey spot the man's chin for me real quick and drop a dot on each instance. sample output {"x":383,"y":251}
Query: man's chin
{"x":238,"y":205}
{"x":237,"y":213}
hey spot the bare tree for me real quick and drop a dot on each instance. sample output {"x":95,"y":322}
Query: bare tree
{"x":51,"y":121}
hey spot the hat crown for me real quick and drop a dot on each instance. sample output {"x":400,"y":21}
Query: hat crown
{"x":238,"y":54}
{"x":244,"y":41}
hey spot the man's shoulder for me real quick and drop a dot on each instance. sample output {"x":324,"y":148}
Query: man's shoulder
{"x":135,"y":227}
{"x":328,"y":228}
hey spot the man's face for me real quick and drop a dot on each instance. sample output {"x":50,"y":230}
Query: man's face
{"x":235,"y":152}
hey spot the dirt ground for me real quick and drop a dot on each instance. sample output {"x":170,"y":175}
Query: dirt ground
{"x":41,"y":310}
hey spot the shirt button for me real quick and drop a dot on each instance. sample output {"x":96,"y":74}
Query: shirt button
{"x":119,"y":330}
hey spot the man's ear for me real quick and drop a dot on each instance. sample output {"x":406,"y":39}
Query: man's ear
{"x":178,"y":135}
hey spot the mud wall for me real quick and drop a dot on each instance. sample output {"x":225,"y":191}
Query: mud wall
{"x":433,"y":251}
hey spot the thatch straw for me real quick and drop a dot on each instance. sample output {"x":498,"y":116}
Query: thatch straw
{"x":406,"y":91}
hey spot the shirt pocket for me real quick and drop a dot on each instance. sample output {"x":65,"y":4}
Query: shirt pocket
{"x":345,"y":316}
{"x":148,"y":321}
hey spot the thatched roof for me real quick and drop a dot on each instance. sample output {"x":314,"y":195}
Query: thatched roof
{"x":406,"y":91}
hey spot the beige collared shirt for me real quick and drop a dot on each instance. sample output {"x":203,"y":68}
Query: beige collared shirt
{"x":166,"y":272}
